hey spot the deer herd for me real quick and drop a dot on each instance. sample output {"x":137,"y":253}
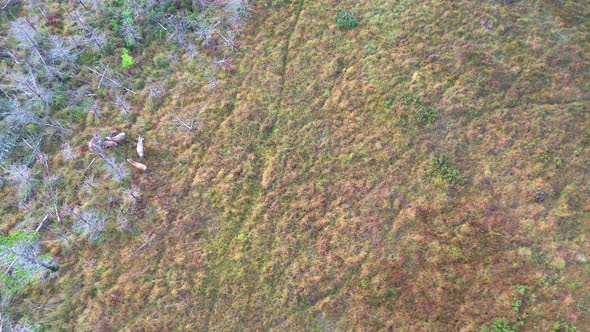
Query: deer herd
{"x":97,"y":144}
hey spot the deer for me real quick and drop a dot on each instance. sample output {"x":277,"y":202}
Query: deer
{"x":93,"y":143}
{"x":137,"y":165}
{"x":140,"y":146}
{"x":96,"y":144}
{"x":109,"y":144}
{"x":119,"y":138}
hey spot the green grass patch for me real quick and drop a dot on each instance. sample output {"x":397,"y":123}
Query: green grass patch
{"x":345,"y":20}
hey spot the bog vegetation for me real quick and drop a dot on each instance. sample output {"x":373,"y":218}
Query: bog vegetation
{"x":294,"y":165}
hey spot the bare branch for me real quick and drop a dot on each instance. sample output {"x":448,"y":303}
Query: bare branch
{"x":145,"y":243}
{"x":185,"y":123}
{"x":111,"y":80}
{"x":102,"y":77}
{"x":6,"y":4}
{"x":42,"y":223}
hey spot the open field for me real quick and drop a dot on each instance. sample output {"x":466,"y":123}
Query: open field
{"x":425,"y":170}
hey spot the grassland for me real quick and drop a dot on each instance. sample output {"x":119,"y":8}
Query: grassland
{"x":425,"y":170}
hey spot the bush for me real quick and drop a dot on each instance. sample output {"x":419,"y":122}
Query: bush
{"x":565,"y":327}
{"x":439,"y":167}
{"x":424,"y":114}
{"x":127,"y":60}
{"x":421,"y":114}
{"x":502,"y":325}
{"x":346,"y":20}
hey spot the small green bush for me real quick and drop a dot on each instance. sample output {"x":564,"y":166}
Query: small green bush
{"x":424,"y":114}
{"x":346,"y":20}
{"x":558,"y":161}
{"x":517,"y":305}
{"x":127,"y":60}
{"x":421,"y":114}
{"x":439,"y":167}
{"x":565,"y":327}
{"x":503,"y":325}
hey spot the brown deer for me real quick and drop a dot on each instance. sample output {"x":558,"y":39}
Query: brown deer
{"x":119,"y":138}
{"x":109,"y":144}
{"x":137,"y":165}
{"x":93,"y":144}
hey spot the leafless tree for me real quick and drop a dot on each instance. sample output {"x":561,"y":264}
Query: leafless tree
{"x":63,"y":52}
{"x":96,"y":37}
{"x":109,"y":80}
{"x":22,"y":253}
{"x":67,"y":151}
{"x":121,"y":102}
{"x":237,"y":10}
{"x":28,"y":85}
{"x":28,"y":37}
{"x":20,"y":176}
{"x":130,"y":31}
{"x":24,"y":33}
{"x":6,"y":5}
{"x":156,"y":91}
{"x":7,"y":143}
{"x":89,"y":224}
{"x":116,"y":170}
{"x":14,"y":115}
{"x":228,"y":39}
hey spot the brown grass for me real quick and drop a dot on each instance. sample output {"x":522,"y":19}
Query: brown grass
{"x":302,"y":201}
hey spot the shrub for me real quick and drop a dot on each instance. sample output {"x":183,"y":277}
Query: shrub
{"x":565,"y":327}
{"x":127,"y":60}
{"x":346,"y":20}
{"x":502,"y":325}
{"x":439,"y":167}
{"x":421,"y":114}
{"x":424,"y":114}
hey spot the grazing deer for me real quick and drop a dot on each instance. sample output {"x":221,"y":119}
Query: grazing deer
{"x":92,"y":145}
{"x":137,"y":165}
{"x":109,"y":144}
{"x":140,"y":146}
{"x":119,"y":138}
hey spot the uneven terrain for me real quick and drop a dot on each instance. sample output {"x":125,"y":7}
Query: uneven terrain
{"x":426,"y":170}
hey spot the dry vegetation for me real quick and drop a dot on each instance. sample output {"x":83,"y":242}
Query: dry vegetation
{"x":425,"y":170}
